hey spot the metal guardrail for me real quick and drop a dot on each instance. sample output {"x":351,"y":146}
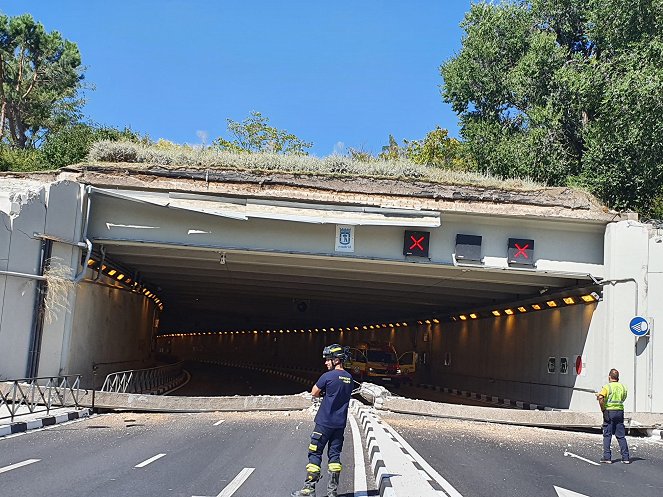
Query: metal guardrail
{"x":142,"y":380}
{"x":38,"y":394}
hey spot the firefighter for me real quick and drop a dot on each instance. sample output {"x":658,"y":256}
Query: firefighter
{"x":335,"y":388}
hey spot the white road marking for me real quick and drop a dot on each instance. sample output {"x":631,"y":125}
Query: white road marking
{"x":232,"y":487}
{"x":446,"y":486}
{"x":361,"y":489}
{"x":18,"y":465}
{"x":562,"y":492}
{"x":148,"y":461}
{"x":567,"y":453}
{"x":219,"y":422}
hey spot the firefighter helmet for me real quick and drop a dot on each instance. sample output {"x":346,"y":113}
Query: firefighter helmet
{"x":334,"y":351}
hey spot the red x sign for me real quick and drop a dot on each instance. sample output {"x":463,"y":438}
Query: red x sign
{"x":521,"y":251}
{"x":417,"y":242}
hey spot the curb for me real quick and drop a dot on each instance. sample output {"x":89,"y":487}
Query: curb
{"x":22,"y":426}
{"x":501,"y":401}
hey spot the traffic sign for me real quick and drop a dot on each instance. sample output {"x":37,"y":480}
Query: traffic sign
{"x":416,"y":243}
{"x":639,"y":326}
{"x":521,"y":251}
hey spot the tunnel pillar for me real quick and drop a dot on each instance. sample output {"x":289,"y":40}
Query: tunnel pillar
{"x":627,"y":293}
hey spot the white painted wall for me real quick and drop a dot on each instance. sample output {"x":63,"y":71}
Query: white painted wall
{"x":109,"y":325}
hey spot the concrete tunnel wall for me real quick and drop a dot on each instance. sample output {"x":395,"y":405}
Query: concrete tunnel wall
{"x":112,"y":328}
{"x":506,"y":357}
{"x":89,"y":322}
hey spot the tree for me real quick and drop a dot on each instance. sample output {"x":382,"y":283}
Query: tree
{"x":254,"y":134}
{"x":545,"y":89}
{"x":40,"y":77}
{"x":71,"y":144}
{"x":436,"y":149}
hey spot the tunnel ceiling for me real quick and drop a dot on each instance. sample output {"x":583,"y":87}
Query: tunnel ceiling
{"x":210,"y":290}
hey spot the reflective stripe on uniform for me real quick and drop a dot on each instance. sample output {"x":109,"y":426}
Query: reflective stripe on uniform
{"x":616,"y":396}
{"x":312,"y":447}
{"x":335,"y":467}
{"x":312,"y":468}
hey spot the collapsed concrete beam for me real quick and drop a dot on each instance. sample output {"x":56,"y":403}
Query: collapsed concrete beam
{"x":546,"y":419}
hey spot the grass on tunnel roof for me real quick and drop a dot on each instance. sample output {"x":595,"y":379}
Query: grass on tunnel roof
{"x":194,"y":158}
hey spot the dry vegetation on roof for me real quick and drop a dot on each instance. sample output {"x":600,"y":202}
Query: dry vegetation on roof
{"x":334,"y":166}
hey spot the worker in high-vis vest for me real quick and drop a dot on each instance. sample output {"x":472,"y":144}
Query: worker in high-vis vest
{"x":611,"y":399}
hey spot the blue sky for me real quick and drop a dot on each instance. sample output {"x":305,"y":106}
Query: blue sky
{"x":339,"y":74}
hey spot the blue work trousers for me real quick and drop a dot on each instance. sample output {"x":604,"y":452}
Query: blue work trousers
{"x":613,"y":424}
{"x":322,"y":436}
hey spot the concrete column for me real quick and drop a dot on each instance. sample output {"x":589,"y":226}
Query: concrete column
{"x":626,"y":261}
{"x":655,"y":311}
{"x":63,"y":220}
{"x":19,"y":252}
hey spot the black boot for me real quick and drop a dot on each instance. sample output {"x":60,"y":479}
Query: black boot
{"x":308,"y":490}
{"x":332,"y":485}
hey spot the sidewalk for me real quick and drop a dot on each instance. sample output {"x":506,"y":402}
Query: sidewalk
{"x":25,"y":420}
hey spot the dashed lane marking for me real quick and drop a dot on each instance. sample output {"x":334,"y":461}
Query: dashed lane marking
{"x":18,"y":465}
{"x":148,"y":461}
{"x":234,"y":485}
{"x":567,"y":453}
{"x":219,"y":422}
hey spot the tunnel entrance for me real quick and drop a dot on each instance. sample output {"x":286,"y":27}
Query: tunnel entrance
{"x":244,"y":281}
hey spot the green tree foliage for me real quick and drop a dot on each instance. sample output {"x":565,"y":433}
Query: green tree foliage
{"x":71,"y":144}
{"x":40,"y":77}
{"x":436,"y":149}
{"x":564,"y":91}
{"x":254,"y":134}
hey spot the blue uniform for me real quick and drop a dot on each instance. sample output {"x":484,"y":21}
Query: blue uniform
{"x":331,"y":418}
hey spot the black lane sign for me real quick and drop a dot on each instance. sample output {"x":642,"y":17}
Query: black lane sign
{"x":416,"y":243}
{"x":521,"y":251}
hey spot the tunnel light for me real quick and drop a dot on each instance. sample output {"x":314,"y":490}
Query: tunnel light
{"x":509,"y":312}
{"x":437,"y":321}
{"x":588,"y":298}
{"x":120,"y":277}
{"x":522,"y":309}
{"x":473,"y":316}
{"x":324,"y":329}
{"x":398,"y":325}
{"x":569,"y":300}
{"x":364,"y":327}
{"x":420,"y":322}
{"x":454,"y":318}
{"x":112,"y":272}
{"x":551,"y":303}
{"x":496,"y":313}
{"x":91,"y":263}
{"x":404,"y":324}
{"x":427,"y":321}
{"x":371,"y":327}
{"x":104,"y":267}
{"x":127,"y":281}
{"x":536,"y":307}
{"x":280,"y":331}
{"x":463,"y":317}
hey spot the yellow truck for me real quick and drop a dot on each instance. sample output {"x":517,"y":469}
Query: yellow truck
{"x":378,"y":362}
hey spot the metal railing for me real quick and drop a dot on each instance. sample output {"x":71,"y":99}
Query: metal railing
{"x":142,"y":380}
{"x":38,"y":394}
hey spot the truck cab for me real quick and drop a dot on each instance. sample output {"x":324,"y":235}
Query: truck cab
{"x":378,"y":362}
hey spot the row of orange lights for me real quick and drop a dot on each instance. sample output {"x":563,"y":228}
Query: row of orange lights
{"x":365,"y":327}
{"x":548,"y":304}
{"x":126,"y":280}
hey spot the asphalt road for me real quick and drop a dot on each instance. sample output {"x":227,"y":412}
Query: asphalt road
{"x":213,"y":380}
{"x":203,"y":455}
{"x":489,"y":460}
